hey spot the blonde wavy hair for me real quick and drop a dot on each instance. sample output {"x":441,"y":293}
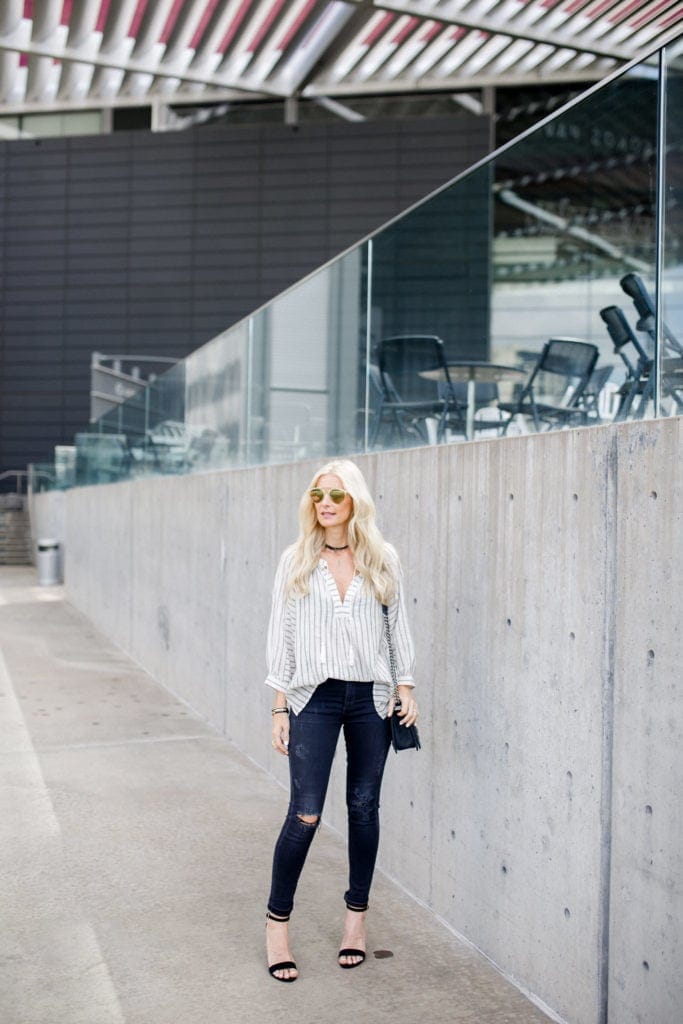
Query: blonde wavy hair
{"x":375,"y":559}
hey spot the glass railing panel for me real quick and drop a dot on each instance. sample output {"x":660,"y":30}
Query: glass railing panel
{"x":573,"y":213}
{"x":308,"y":393}
{"x":217,"y":388}
{"x":153,"y":422}
{"x":287,"y":383}
{"x":129,"y":440}
{"x":430,"y":279}
{"x":671,"y":351}
{"x":528,"y":248}
{"x":42,"y":476}
{"x":65,"y":466}
{"x":552,"y":240}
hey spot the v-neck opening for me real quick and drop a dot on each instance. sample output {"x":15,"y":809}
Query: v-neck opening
{"x":329,"y":576}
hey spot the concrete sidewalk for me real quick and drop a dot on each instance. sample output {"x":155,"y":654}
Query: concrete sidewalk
{"x":136,"y":848}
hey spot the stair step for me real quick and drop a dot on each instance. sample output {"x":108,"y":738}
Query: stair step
{"x":16,"y":545}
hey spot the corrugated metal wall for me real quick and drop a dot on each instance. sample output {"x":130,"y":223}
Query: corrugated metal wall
{"x":153,"y":243}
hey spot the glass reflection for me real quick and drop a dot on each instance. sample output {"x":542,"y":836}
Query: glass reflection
{"x":574,"y":212}
{"x":518,"y":298}
{"x":138,"y":438}
{"x":524,"y":251}
{"x":308,"y":383}
{"x":216,"y":423}
{"x":430,"y":311}
{"x":672,"y":272}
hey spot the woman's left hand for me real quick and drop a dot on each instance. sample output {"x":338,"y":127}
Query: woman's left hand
{"x":409,"y":712}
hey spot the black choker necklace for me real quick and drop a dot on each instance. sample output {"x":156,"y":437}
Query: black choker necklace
{"x":345,"y":546}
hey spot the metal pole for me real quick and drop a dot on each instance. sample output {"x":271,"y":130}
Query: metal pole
{"x":249,"y":410}
{"x":660,"y":207}
{"x":145,"y":436}
{"x":368,"y":348}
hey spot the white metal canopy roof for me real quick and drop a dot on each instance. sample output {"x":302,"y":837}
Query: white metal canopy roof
{"x":61,"y":54}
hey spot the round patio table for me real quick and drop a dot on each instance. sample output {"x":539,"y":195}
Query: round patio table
{"x":473,"y":372}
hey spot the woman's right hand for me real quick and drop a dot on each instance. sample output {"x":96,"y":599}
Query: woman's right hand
{"x":280,"y":733}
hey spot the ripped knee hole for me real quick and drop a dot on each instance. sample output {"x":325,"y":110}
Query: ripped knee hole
{"x":308,"y":819}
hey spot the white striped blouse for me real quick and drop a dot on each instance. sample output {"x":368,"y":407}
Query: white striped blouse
{"x":319,"y":637}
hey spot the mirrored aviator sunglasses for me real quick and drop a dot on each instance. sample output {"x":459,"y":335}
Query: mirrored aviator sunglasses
{"x":318,"y":493}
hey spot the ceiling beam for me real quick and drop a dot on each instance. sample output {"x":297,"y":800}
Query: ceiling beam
{"x":506,"y":27}
{"x":566,"y":227}
{"x":179,"y":99}
{"x":448,"y":84}
{"x":340,"y":109}
{"x":333,"y":44}
{"x":18,"y":43}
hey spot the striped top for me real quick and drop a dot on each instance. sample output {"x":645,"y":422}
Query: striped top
{"x":319,"y":637}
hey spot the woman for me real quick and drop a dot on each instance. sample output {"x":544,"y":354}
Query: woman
{"x":329,"y":667}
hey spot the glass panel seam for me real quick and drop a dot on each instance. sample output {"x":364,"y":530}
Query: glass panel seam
{"x":368,"y":348}
{"x":660,"y":202}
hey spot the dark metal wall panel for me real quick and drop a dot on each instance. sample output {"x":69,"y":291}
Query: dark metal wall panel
{"x":153,"y":243}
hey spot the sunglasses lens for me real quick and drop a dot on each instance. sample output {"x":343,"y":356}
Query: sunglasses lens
{"x":317,"y":494}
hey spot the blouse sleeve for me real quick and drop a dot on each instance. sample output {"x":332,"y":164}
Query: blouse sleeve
{"x":401,"y":637}
{"x":279,"y":642}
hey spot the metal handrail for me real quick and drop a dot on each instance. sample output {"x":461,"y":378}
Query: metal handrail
{"x":21,"y":476}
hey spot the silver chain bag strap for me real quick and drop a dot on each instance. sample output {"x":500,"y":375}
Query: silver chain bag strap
{"x":403,"y":737}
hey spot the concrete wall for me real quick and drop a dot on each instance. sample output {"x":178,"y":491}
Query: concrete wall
{"x":542,"y":818}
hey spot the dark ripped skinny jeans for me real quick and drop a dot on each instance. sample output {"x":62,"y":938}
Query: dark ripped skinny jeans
{"x":312,"y":741}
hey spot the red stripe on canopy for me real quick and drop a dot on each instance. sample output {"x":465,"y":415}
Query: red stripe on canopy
{"x":403,"y":33}
{"x":171,"y":20}
{"x":102,"y":16}
{"x":296,"y":24}
{"x":137,"y":18}
{"x":234,"y":26}
{"x":266,"y":25}
{"x":378,"y":30}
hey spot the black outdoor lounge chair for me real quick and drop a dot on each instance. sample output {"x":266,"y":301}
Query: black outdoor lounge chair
{"x":553,"y":394}
{"x":408,"y":399}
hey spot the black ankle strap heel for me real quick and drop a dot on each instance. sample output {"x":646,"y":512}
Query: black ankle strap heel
{"x":285,"y":964}
{"x":349,"y":951}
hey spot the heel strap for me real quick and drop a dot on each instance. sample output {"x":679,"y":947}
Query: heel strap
{"x":272,"y":916}
{"x":357,"y":910}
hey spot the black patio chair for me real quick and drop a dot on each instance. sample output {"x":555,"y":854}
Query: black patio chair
{"x":408,"y":399}
{"x":639,"y":381}
{"x":591,"y":396}
{"x":639,"y":364}
{"x":553,"y":394}
{"x":634,"y":286}
{"x":672,"y":361}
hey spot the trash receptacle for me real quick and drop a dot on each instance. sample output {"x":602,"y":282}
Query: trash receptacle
{"x":48,"y":562}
